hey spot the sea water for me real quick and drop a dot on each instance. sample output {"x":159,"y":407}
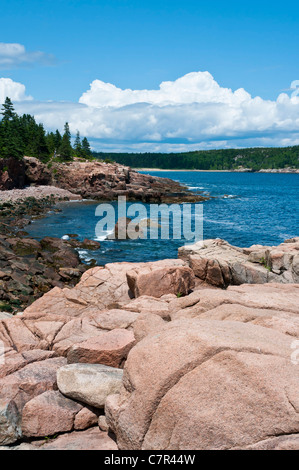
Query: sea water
{"x":244,"y":209}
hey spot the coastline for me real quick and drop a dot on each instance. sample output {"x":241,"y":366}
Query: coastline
{"x":59,"y":318}
{"x":293,"y":171}
{"x":38,"y":193}
{"x":200,"y":171}
{"x":64,"y":348}
{"x":29,"y":268}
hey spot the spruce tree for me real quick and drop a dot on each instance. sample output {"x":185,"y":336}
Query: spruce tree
{"x":41,"y":144}
{"x":65,"y":150}
{"x":58,"y":140}
{"x":8,"y":111}
{"x":77,"y":145}
{"x":11,"y":132}
{"x":86,"y":148}
{"x":50,"y":140}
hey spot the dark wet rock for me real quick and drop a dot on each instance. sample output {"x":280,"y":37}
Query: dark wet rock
{"x":29,"y":268}
{"x":24,"y":246}
{"x":90,"y":244}
{"x":12,"y":173}
{"x":52,"y":244}
{"x":67,"y":258}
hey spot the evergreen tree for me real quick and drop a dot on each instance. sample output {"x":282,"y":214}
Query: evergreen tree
{"x":34,"y":138}
{"x":65,"y":150}
{"x":58,"y":140}
{"x":21,"y":135}
{"x":67,"y":131}
{"x":86,"y":148}
{"x":42,"y":150}
{"x":77,"y":145}
{"x":50,"y":140}
{"x":11,"y":136}
{"x":8,"y":111}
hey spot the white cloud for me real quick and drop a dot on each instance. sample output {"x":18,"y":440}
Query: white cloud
{"x":13,"y":55}
{"x":190,"y":113}
{"x":14,"y":90}
{"x":195,"y":87}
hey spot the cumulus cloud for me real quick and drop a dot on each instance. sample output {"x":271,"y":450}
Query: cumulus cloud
{"x":195,"y":87}
{"x":189,"y":113}
{"x":14,"y":90}
{"x":14,"y":55}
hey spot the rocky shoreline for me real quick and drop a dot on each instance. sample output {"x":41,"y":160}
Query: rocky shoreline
{"x":30,"y":268}
{"x":157,"y":356}
{"x":94,"y":180}
{"x":239,"y":170}
{"x":199,"y":352}
{"x":17,"y":196}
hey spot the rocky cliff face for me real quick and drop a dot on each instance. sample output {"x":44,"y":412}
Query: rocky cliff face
{"x":12,"y":173}
{"x":106,"y":181}
{"x":94,"y":180}
{"x":36,"y":172}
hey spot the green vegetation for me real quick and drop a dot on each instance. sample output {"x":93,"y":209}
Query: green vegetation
{"x":5,"y":307}
{"x":228,"y":159}
{"x":21,"y":135}
{"x":264,"y":263}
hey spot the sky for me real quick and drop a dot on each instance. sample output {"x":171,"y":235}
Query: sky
{"x":158,"y":75}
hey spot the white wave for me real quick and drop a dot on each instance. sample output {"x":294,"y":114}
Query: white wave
{"x":82,"y":252}
{"x":100,"y":238}
{"x":84,"y":255}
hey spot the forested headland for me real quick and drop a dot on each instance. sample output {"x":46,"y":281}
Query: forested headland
{"x":254,"y":159}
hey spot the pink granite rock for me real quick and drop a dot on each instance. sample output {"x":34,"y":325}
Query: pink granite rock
{"x":30,"y":381}
{"x":147,"y":324}
{"x":93,"y":323}
{"x":160,"y":278}
{"x":91,"y":439}
{"x":86,"y":418}
{"x":205,"y":384}
{"x":49,"y":413}
{"x":109,"y":348}
{"x":221,"y":264}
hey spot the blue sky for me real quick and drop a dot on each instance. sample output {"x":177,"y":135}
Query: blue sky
{"x":138,"y":45}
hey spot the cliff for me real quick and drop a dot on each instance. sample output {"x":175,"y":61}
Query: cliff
{"x":12,"y":173}
{"x":106,"y":181}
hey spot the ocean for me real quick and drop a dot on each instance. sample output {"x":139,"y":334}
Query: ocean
{"x":244,"y":209}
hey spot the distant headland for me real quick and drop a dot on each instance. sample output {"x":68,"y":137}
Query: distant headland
{"x":280,"y":160}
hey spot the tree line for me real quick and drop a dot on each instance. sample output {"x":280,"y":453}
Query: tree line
{"x":22,"y":135}
{"x":223,"y":159}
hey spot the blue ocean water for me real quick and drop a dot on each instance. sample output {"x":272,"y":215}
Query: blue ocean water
{"x":244,"y":209}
